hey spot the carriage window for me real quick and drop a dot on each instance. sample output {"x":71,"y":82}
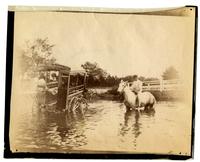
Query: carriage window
{"x":81,"y":79}
{"x":73,"y":80}
{"x":64,"y":81}
{"x":54,"y":76}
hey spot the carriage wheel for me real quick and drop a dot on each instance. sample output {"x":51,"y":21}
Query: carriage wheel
{"x":73,"y":104}
{"x":83,"y":104}
{"x":77,"y":103}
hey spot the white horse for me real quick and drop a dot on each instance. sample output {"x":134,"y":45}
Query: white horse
{"x":146,"y":99}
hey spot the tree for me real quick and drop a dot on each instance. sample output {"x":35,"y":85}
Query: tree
{"x":170,"y":73}
{"x":38,"y":52}
{"x":141,"y":78}
{"x":112,"y":80}
{"x":96,"y":75}
{"x":94,"y":70}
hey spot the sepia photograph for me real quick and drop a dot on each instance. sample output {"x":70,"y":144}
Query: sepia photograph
{"x":102,"y":81}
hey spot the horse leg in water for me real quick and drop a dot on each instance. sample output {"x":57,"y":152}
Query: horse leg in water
{"x":137,"y":102}
{"x":128,"y":107}
{"x":148,"y":106}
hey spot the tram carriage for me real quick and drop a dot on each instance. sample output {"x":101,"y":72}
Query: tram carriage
{"x":65,"y":88}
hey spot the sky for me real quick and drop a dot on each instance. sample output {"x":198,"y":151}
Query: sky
{"x":122,"y":44}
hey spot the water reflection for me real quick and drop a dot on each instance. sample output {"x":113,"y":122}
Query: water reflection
{"x":106,"y":125}
{"x":66,"y":130}
{"x":132,"y":126}
{"x":57,"y":131}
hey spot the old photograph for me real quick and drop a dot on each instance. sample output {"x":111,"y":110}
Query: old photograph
{"x":102,"y":81}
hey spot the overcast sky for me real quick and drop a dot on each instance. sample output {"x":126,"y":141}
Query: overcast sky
{"x":121,"y":44}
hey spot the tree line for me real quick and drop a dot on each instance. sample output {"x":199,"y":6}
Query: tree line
{"x":98,"y":77}
{"x":39,"y":52}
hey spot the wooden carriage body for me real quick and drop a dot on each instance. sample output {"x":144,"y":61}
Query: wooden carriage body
{"x":67,"y":85}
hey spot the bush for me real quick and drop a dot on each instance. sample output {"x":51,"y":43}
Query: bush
{"x":113,"y":91}
{"x":166,"y":95}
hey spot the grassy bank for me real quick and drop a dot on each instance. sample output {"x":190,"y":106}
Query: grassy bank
{"x":112,"y":94}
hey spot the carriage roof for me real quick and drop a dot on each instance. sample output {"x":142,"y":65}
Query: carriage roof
{"x":53,"y":67}
{"x":77,"y":72}
{"x":58,"y":67}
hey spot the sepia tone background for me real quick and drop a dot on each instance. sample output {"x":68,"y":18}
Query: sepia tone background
{"x":123,"y":44}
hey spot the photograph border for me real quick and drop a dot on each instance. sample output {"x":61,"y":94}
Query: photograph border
{"x":77,"y":155}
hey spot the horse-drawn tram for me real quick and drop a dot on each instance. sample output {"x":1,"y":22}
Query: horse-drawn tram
{"x":61,"y":88}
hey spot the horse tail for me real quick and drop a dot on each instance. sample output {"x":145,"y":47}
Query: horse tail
{"x":152,"y":100}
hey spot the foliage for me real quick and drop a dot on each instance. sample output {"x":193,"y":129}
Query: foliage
{"x":170,"y":73}
{"x":128,"y":78}
{"x":141,"y":78}
{"x":37,"y":52}
{"x":96,"y":75}
{"x":94,"y":70}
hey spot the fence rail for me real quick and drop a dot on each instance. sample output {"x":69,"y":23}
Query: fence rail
{"x":162,"y":85}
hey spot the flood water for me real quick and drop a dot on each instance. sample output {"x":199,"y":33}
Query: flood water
{"x":106,"y":126}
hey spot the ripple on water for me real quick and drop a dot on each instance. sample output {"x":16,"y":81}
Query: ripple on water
{"x":105,"y":121}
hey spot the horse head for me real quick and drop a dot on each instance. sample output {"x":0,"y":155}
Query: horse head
{"x":122,"y":85}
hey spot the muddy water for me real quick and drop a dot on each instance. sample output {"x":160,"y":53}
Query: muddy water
{"x":106,"y":126}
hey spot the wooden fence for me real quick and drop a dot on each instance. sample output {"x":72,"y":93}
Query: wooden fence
{"x":162,"y":85}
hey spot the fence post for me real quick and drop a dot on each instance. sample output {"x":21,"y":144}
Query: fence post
{"x":148,"y":85}
{"x":161,"y":84}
